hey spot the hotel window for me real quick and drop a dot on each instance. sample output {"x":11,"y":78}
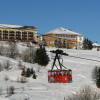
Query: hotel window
{"x":0,"y":34}
{"x":11,"y":32}
{"x":0,"y":31}
{"x":24,"y":35}
{"x":30,"y":35}
{"x":5,"y":31}
{"x":18,"y":35}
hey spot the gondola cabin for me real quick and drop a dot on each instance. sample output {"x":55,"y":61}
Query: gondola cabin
{"x":60,"y":76}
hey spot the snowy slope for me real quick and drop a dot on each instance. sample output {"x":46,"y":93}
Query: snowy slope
{"x":40,"y":89}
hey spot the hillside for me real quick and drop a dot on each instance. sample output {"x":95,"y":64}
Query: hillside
{"x":40,"y":89}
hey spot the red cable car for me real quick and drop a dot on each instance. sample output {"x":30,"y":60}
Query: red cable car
{"x":59,"y":75}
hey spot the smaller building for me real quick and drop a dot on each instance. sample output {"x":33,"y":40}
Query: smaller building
{"x":18,"y":33}
{"x":96,"y":46}
{"x":62,"y":37}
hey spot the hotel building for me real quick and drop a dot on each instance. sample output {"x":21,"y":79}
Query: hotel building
{"x":72,"y":39}
{"x":18,"y":33}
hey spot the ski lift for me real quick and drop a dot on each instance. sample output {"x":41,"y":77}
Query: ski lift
{"x":61,"y":74}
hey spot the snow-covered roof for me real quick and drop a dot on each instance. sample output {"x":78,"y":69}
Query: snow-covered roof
{"x":17,"y":26}
{"x":11,"y":26}
{"x":62,"y":30}
{"x":96,"y":44}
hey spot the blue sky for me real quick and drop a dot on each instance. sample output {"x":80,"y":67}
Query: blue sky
{"x":79,"y":15}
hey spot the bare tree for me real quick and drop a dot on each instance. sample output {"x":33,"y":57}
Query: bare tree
{"x":7,"y":65}
{"x":0,"y":90}
{"x":10,"y":90}
{"x":13,"y":51}
{"x":22,"y":79}
{"x":29,"y":55}
{"x":20,"y":65}
{"x":1,"y":67}
{"x":1,"y":49}
{"x":6,"y":78}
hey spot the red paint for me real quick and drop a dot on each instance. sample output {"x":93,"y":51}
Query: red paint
{"x":60,"y":76}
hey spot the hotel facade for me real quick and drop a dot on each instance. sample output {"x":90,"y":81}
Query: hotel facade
{"x":71,"y":39}
{"x":18,"y":33}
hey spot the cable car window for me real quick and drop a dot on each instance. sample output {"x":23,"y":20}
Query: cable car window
{"x":60,"y":73}
{"x":52,"y":73}
{"x":49,"y":73}
{"x":70,"y":72}
{"x":66,"y":73}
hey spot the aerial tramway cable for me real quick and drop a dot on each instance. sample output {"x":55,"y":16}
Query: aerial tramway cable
{"x":85,"y":58}
{"x":65,"y":54}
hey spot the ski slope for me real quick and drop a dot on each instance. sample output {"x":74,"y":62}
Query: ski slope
{"x":40,"y":89}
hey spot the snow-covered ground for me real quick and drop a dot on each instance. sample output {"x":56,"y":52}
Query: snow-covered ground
{"x":40,"y":89}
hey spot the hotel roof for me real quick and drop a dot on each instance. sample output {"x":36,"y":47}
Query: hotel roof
{"x":16,"y":26}
{"x":62,"y":30}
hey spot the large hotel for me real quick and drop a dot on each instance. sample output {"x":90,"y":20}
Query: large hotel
{"x":18,"y":33}
{"x":72,"y":39}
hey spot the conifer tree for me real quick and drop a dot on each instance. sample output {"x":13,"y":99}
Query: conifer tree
{"x":87,"y":44}
{"x":28,"y":72}
{"x":34,"y":76}
{"x":31,"y":71}
{"x":41,"y":57}
{"x":23,"y":73}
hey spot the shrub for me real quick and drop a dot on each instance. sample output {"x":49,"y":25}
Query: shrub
{"x":7,"y":65}
{"x":86,"y":93}
{"x":0,"y":91}
{"x":20,"y":65}
{"x":22,"y":79}
{"x":23,"y":73}
{"x":6,"y":78}
{"x":34,"y":76}
{"x":13,"y":51}
{"x":1,"y":49}
{"x":10,"y":90}
{"x":28,"y":55}
{"x":1,"y":67}
{"x":96,"y":76}
{"x":28,"y":72}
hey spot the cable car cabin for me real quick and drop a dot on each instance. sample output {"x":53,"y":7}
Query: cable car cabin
{"x":60,"y":76}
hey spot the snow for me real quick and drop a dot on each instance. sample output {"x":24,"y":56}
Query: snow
{"x":40,"y":89}
{"x":3,"y":98}
{"x":62,"y":30}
